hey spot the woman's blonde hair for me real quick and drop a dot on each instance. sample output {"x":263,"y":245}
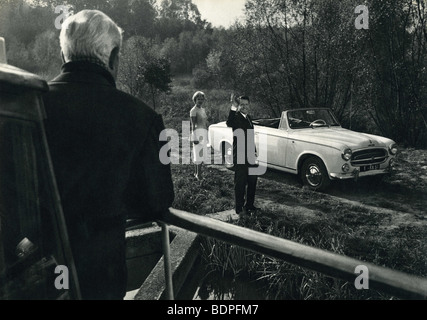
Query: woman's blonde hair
{"x":197,"y":94}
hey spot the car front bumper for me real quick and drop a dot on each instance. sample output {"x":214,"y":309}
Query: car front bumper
{"x":356,"y":174}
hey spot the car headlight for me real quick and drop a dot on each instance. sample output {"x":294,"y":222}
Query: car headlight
{"x":346,"y":155}
{"x":393,"y":149}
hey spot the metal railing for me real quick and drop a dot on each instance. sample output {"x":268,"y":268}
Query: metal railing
{"x":388,"y":281}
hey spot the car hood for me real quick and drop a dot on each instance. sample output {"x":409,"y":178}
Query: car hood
{"x":340,"y":138}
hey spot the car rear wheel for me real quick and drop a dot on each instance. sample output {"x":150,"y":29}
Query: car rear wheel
{"x":227,"y":155}
{"x":314,"y":174}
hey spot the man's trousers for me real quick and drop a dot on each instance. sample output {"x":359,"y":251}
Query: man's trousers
{"x":244,"y":185}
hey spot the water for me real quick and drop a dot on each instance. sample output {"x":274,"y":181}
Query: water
{"x":206,"y":284}
{"x":215,"y":286}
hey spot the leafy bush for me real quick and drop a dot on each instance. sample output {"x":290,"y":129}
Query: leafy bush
{"x":201,"y":78}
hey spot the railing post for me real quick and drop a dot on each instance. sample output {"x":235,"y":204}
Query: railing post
{"x":166,"y":258}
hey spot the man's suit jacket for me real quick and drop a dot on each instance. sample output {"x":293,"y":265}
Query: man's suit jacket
{"x":105,"y":147}
{"x":242,"y":149}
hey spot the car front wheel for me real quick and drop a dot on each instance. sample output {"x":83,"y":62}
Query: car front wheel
{"x":314,"y":174}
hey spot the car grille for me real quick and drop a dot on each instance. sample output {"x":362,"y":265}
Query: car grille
{"x":368,"y":157}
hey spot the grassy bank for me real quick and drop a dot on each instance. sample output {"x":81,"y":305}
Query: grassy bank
{"x":317,"y":219}
{"x":400,"y":249}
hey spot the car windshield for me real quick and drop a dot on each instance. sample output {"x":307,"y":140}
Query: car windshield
{"x":311,"y":118}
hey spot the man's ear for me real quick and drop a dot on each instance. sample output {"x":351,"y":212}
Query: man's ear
{"x":114,"y":58}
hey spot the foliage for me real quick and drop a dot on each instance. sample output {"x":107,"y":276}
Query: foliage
{"x":30,"y":43}
{"x":398,"y":59}
{"x":282,"y":280}
{"x":156,"y":74}
{"x":181,"y":10}
{"x":287,"y":54}
{"x":135,"y":52}
{"x":143,"y":71}
{"x":198,"y":196}
{"x":202,"y":78}
{"x":295,"y":54}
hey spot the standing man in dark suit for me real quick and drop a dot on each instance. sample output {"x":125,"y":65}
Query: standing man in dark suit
{"x":244,"y":155}
{"x":104,"y":146}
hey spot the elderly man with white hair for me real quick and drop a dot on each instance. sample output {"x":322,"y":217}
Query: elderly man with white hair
{"x":105,"y":148}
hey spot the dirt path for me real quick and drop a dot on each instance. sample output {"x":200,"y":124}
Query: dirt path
{"x":401,"y":200}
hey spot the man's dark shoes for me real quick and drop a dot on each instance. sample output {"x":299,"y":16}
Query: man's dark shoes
{"x":252,"y":210}
{"x":241,"y":212}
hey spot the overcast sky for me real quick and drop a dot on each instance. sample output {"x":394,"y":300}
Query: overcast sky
{"x":220,"y":12}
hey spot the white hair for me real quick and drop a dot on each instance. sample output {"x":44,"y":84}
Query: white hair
{"x":89,"y":33}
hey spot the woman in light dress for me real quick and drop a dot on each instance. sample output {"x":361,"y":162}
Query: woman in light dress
{"x":199,"y":133}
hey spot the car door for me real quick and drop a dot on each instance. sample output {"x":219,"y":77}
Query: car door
{"x":272,"y":143}
{"x":293,"y":150}
{"x":35,"y":256}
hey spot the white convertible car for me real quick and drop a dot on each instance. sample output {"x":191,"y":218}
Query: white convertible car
{"x":312,"y":144}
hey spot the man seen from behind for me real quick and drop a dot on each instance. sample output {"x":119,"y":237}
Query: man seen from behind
{"x":105,"y":148}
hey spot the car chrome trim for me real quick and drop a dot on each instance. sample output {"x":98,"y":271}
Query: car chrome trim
{"x":351,"y":175}
{"x":369,"y":156}
{"x":315,"y":143}
{"x":280,"y":168}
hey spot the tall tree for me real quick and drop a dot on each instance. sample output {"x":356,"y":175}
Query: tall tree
{"x":156,"y":74}
{"x":399,"y":62}
{"x":177,"y":16}
{"x":300,"y":51}
{"x":136,"y":17}
{"x":180,"y":10}
{"x":309,"y":53}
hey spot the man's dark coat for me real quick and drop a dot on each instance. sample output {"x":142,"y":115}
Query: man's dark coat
{"x":243,"y":150}
{"x":244,"y":155}
{"x":105,"y":147}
